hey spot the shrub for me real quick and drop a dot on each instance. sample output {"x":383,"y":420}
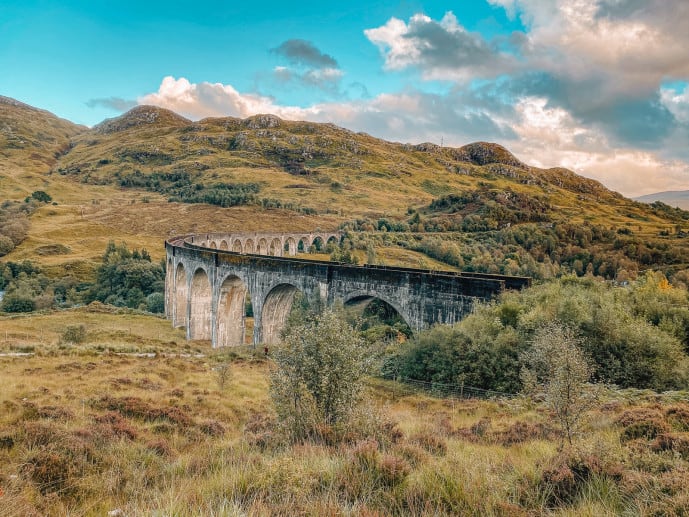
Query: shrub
{"x":318,"y":375}
{"x":41,"y":196}
{"x":74,"y":334}
{"x":155,"y":302}
{"x":556,"y":364}
{"x":6,"y":245}
{"x":18,"y":302}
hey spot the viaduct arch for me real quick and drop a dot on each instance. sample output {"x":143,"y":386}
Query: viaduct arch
{"x":209,"y":276}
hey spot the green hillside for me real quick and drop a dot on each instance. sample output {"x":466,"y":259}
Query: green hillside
{"x":151,"y":173}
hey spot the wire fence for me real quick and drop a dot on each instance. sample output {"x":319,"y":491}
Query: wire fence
{"x":443,"y":390}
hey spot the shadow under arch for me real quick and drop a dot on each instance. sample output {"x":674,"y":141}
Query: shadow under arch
{"x":200,"y":305}
{"x":276,"y":309}
{"x":179,"y":316}
{"x":231,"y":315}
{"x":374,"y":310}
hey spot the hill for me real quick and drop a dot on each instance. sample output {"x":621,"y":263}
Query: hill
{"x":151,"y":173}
{"x":677,"y":198}
{"x":31,"y":141}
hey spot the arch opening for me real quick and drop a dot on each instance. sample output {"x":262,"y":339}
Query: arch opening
{"x":276,"y":309}
{"x":331,"y":244}
{"x":224,"y":245}
{"x":200,"y":306}
{"x":317,"y":246}
{"x":237,"y":246}
{"x":379,"y":319}
{"x":249,"y":246}
{"x":262,"y":247}
{"x":179,"y":318}
{"x":213,"y":245}
{"x":302,"y":245}
{"x":231,"y":316}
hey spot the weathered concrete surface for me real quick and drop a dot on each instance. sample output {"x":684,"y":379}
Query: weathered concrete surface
{"x":207,"y":291}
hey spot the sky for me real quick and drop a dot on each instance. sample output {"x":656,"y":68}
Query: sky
{"x":597,"y":86}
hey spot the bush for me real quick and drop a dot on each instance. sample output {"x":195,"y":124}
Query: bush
{"x":41,"y":196}
{"x":74,"y":334}
{"x":6,"y":245}
{"x":318,"y":376}
{"x":17,"y":302}
{"x":155,"y":302}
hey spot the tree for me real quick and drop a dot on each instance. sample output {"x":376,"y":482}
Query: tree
{"x":318,"y":374}
{"x":556,"y":364}
{"x":41,"y":196}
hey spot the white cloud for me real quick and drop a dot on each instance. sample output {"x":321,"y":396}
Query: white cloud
{"x":677,"y":103}
{"x":442,"y":50}
{"x":630,"y":47}
{"x":549,"y":137}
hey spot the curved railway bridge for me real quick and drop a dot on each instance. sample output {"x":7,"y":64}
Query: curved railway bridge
{"x":210,"y":276}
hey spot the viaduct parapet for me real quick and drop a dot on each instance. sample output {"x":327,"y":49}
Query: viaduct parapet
{"x":206,"y":285}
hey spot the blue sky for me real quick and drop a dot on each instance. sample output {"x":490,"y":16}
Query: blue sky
{"x":599,"y":86}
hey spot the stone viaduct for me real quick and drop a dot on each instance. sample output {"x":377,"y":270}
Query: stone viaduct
{"x":274,"y":244}
{"x":209,"y":275}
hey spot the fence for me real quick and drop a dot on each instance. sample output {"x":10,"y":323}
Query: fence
{"x":442,"y":390}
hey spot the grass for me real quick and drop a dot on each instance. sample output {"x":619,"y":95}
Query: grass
{"x":84,"y":431}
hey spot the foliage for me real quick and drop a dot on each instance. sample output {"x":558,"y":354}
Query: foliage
{"x":128,"y":279}
{"x":636,"y":336}
{"x":74,"y":334}
{"x":556,"y":364}
{"x":41,"y":196}
{"x":318,"y":375}
{"x":14,"y":223}
{"x":344,"y":254}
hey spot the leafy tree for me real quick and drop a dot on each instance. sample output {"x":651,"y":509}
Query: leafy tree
{"x":318,"y":373}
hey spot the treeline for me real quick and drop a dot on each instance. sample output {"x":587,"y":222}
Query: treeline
{"x":179,"y":186}
{"x":182,"y":187}
{"x":126,"y":278}
{"x":636,"y":336}
{"x":540,"y":250}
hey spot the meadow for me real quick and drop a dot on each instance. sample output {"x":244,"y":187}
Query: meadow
{"x":136,"y":419}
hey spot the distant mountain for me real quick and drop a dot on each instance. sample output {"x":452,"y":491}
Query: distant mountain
{"x":677,"y":198}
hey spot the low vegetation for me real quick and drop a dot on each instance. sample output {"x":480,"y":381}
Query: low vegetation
{"x":124,"y":279}
{"x":84,"y":432}
{"x":636,"y":336}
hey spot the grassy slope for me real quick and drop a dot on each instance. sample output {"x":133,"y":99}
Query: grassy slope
{"x":199,"y":448}
{"x":318,"y":166}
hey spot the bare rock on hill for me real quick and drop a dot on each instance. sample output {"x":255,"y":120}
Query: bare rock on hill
{"x":142,"y":116}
